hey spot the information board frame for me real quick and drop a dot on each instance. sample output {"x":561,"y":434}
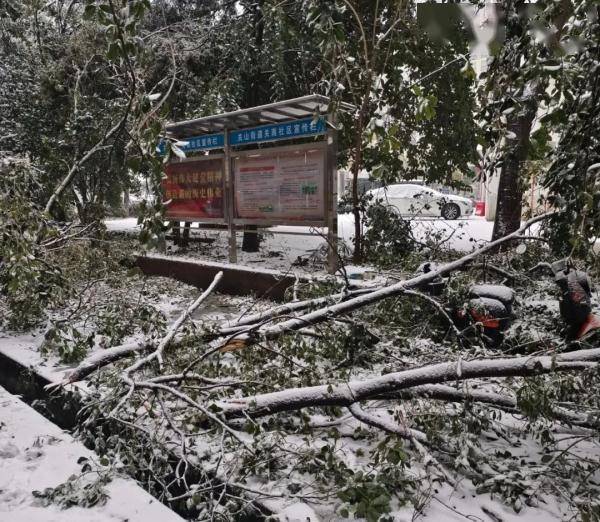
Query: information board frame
{"x":320,"y":146}
{"x":310,"y":111}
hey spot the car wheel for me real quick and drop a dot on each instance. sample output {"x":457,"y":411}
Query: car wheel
{"x":450,"y":211}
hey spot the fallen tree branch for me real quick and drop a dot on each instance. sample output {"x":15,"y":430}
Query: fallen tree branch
{"x":248,"y":335}
{"x":493,"y":268}
{"x":329,"y":312}
{"x":503,"y":402}
{"x":188,"y":312}
{"x":191,"y":402}
{"x":418,"y":438}
{"x":286,"y":309}
{"x":385,"y":424}
{"x":345,"y":394}
{"x":439,"y":308}
{"x":104,"y":357}
{"x":157,"y":354}
{"x":107,"y":356}
{"x":542,"y":265}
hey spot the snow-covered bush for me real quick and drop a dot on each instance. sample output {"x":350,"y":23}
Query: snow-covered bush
{"x":27,"y":281}
{"x":388,"y":237}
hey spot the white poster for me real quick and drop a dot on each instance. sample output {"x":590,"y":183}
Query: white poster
{"x":283,"y":186}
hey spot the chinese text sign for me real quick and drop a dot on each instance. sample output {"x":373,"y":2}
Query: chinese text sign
{"x":194,"y":189}
{"x":280,"y":186}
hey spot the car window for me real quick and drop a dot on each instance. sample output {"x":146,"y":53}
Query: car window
{"x":378,"y":193}
{"x":404,"y":191}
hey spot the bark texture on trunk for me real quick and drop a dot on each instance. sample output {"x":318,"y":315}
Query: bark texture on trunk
{"x":256,"y":95}
{"x":510,"y":187}
{"x":357,"y":162}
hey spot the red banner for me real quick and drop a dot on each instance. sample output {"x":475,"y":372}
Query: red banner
{"x":194,"y":189}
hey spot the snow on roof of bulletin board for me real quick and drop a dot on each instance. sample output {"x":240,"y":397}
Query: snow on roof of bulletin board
{"x":312,"y":105}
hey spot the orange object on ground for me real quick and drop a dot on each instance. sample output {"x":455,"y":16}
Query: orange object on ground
{"x":486,"y":320}
{"x":591,"y":323}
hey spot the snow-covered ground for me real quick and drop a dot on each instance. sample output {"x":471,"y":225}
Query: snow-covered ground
{"x":26,"y":473}
{"x":35,"y":454}
{"x":282,"y":247}
{"x":463,"y":233}
{"x":170,"y":297}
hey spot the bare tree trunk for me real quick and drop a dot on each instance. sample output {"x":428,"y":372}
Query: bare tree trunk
{"x":256,"y":96}
{"x":126,"y":201}
{"x":510,"y":187}
{"x":356,"y":166}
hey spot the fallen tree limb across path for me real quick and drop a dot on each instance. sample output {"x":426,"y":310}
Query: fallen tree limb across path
{"x":255,"y":327}
{"x":348,"y":393}
{"x":102,"y":358}
{"x":447,"y":393}
{"x":350,"y":305}
{"x":166,"y":340}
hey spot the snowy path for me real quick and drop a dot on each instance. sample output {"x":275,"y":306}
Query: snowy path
{"x":463,"y":233}
{"x":280,"y":250}
{"x":35,"y":454}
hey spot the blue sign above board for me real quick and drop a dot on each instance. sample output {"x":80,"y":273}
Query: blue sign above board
{"x":273,"y":132}
{"x":278,"y":131}
{"x":205,"y":142}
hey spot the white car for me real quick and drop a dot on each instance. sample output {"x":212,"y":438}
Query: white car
{"x":419,"y":200}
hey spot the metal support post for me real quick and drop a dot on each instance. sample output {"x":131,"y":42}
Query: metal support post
{"x":229,"y":198}
{"x":333,"y":261}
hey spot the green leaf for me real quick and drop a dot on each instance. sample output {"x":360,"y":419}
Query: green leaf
{"x":89,"y":12}
{"x":113,"y":51}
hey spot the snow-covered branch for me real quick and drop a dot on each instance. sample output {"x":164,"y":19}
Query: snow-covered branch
{"x":248,"y":329}
{"x":504,"y":402}
{"x":345,"y":394}
{"x":329,"y":312}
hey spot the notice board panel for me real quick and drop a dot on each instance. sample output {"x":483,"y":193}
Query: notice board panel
{"x":195,"y":189}
{"x":281,"y":185}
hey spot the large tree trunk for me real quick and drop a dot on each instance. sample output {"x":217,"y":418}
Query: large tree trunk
{"x":510,"y":188}
{"x":511,"y":183}
{"x":255,"y":96}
